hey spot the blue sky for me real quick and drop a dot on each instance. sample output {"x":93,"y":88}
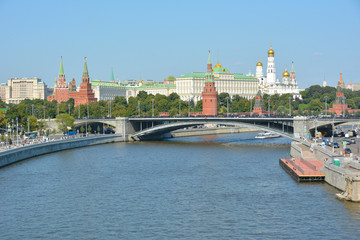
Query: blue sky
{"x":155,"y":39}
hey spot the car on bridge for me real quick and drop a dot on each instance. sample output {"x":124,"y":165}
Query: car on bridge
{"x":109,"y":131}
{"x":336,"y":145}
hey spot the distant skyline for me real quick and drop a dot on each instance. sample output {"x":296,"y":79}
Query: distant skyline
{"x":155,"y":39}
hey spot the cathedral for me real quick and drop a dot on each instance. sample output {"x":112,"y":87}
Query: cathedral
{"x":271,"y":85}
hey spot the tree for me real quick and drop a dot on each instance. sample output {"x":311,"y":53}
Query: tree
{"x":98,"y":129}
{"x":64,"y":121}
{"x":82,"y":129}
{"x":89,"y":129}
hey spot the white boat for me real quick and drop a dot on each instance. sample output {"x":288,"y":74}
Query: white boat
{"x":265,"y":135}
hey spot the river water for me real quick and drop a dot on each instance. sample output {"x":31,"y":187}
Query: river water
{"x":214,"y":187}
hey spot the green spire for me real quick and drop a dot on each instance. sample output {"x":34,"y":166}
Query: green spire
{"x":61,"y":68}
{"x":112,"y":75}
{"x":85,"y":67}
{"x":209,"y":59}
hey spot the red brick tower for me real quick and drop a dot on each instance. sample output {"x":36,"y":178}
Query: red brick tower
{"x":85,"y":93}
{"x":61,"y":91}
{"x":341,"y":82}
{"x":209,"y":95}
{"x":258,"y":107}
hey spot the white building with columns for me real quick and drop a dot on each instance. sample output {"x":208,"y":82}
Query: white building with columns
{"x":270,"y":84}
{"x":190,"y":86}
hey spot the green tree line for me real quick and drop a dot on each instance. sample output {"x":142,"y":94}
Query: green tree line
{"x":312,"y":102}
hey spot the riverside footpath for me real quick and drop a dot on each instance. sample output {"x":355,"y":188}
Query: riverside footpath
{"x":345,"y":176}
{"x":23,"y":152}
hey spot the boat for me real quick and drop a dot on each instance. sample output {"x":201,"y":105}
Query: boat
{"x":266,"y":135}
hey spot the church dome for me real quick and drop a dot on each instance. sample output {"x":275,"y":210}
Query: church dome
{"x":218,"y":65}
{"x":286,"y":74}
{"x":271,"y":52}
{"x":259,"y":64}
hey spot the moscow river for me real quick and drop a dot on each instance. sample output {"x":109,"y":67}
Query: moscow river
{"x":213,"y":187}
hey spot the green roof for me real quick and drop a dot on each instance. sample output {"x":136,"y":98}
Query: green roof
{"x":220,"y":70}
{"x":61,"y":72}
{"x":85,"y":67}
{"x":105,"y":84}
{"x":112,"y":75}
{"x":156,"y":86}
{"x":203,"y":75}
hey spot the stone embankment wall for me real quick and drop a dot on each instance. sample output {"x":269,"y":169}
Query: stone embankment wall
{"x":209,"y":131}
{"x":341,"y":177}
{"x":18,"y":154}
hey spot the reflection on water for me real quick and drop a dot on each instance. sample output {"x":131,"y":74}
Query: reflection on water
{"x":211,"y":187}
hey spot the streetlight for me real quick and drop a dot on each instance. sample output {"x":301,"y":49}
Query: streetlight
{"x":44,"y":111}
{"x":189,"y":108}
{"x":87,"y":110}
{"x":79,"y":111}
{"x":32,"y":109}
{"x":227,"y":101}
{"x":290,"y":106}
{"x":250,"y":105}
{"x":17,"y":131}
{"x":69,"y":108}
{"x":269,"y":105}
{"x":152,"y":100}
{"x":326,"y":98}
{"x":110,"y":108}
{"x":57,"y":108}
{"x":139,"y":107}
{"x":343,"y":106}
{"x":28,"y":125}
{"x":179,"y":107}
{"x":332,"y":137}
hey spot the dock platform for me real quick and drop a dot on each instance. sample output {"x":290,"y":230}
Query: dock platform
{"x":303,"y":170}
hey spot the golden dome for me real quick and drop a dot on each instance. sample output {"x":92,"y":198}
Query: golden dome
{"x":271,"y":52}
{"x":259,"y":64}
{"x":218,"y":65}
{"x":286,"y":74}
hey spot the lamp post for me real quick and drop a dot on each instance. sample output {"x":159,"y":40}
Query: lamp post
{"x":139,"y":107}
{"x":28,"y":125}
{"x":332,"y":137}
{"x":250,"y":106}
{"x":57,"y":108}
{"x":32,"y":109}
{"x":79,"y":111}
{"x":152,"y":101}
{"x":179,"y":107}
{"x":326,"y":98}
{"x":12,"y":131}
{"x":17,"y":131}
{"x":189,"y":107}
{"x":269,"y":105}
{"x":69,"y":108}
{"x":227,"y":102}
{"x":290,"y":106}
{"x":344,"y":107}
{"x":110,"y":108}
{"x":88,"y":115}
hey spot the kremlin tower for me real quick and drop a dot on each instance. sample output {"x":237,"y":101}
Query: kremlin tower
{"x":85,"y":93}
{"x":209,"y":94}
{"x":61,"y":91}
{"x":341,"y":82}
{"x":258,"y":107}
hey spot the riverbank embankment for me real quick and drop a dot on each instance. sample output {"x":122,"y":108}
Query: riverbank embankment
{"x":345,"y":177}
{"x":21,"y":153}
{"x":194,"y":132}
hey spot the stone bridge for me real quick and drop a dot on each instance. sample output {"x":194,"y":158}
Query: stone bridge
{"x":160,"y":127}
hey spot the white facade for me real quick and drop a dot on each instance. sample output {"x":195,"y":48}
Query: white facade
{"x":271,"y":85}
{"x":163,"y":89}
{"x":19,"y":89}
{"x":190,"y":86}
